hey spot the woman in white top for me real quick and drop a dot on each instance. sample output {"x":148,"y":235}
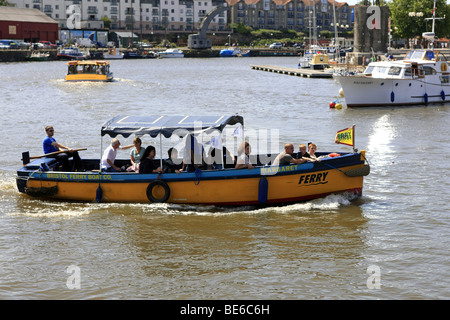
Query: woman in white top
{"x":243,"y":160}
{"x":312,"y":151}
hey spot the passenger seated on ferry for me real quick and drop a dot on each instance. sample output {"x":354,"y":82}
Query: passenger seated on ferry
{"x":243,"y":160}
{"x":285,"y":157}
{"x":229,"y":160}
{"x":72,"y":69}
{"x":50,"y":145}
{"x":312,"y":151}
{"x":170,"y":165}
{"x":136,"y":155}
{"x":193,"y":155}
{"x":302,"y":152}
{"x":147,"y":165}
{"x":109,"y":156}
{"x":220,"y":158}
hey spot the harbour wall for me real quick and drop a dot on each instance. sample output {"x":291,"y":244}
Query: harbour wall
{"x":16,"y":55}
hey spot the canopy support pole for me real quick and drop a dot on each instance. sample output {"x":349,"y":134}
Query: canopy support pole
{"x":160,"y":151}
{"x":101,"y":154}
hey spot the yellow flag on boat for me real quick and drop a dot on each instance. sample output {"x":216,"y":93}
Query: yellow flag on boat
{"x":346,"y":136}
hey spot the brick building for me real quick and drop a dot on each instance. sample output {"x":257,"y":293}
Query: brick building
{"x":30,"y":25}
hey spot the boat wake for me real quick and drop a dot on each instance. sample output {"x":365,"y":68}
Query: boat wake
{"x":331,"y":203}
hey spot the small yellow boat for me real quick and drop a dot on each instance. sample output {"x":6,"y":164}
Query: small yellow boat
{"x":88,"y":70}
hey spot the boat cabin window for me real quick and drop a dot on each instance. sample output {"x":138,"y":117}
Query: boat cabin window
{"x":72,"y":69}
{"x":429,"y":71}
{"x":408,"y":72}
{"x":89,"y":68}
{"x":408,"y":55}
{"x":429,"y":55}
{"x":394,"y":71}
{"x":417,"y":54}
{"x":369,"y":69}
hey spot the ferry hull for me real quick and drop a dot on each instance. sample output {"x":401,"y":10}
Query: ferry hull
{"x":89,"y":77}
{"x":263,"y":185}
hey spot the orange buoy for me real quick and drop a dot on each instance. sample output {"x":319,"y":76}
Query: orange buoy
{"x":334,"y":154}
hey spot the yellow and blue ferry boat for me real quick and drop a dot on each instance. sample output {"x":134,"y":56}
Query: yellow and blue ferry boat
{"x":265,"y":184}
{"x":89,"y":70}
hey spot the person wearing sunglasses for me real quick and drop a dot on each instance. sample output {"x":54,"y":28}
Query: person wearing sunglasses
{"x":50,"y":145}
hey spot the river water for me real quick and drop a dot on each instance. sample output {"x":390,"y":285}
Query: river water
{"x":392,"y":243}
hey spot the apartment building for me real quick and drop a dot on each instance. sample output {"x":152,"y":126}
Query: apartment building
{"x":298,"y":15}
{"x":144,"y":16}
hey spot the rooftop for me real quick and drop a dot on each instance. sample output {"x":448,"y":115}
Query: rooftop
{"x":24,"y":15}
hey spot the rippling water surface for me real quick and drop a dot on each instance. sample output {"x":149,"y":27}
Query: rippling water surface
{"x":320,"y":249}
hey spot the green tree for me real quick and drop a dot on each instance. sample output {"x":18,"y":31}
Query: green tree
{"x":106,"y":22}
{"x":405,"y":26}
{"x":241,"y":28}
{"x":4,"y":3}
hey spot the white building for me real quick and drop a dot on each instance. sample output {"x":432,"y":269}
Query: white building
{"x":142,"y":16}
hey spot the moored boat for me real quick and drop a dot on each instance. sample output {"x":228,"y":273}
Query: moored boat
{"x":265,"y":184}
{"x":234,"y":52}
{"x":316,"y":61}
{"x":113,"y":53}
{"x":89,"y":70}
{"x":422,"y":77}
{"x":171,"y":53}
{"x":72,"y":53}
{"x":39,"y":56}
{"x":132,"y":54}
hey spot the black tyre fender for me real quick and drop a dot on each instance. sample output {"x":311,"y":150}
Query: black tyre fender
{"x":153,"y":184}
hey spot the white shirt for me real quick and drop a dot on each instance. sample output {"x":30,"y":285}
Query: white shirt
{"x":243,"y":159}
{"x":109,"y":154}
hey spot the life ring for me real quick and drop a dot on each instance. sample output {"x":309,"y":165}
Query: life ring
{"x":154,"y":198}
{"x":42,"y":191}
{"x":444,"y":67}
